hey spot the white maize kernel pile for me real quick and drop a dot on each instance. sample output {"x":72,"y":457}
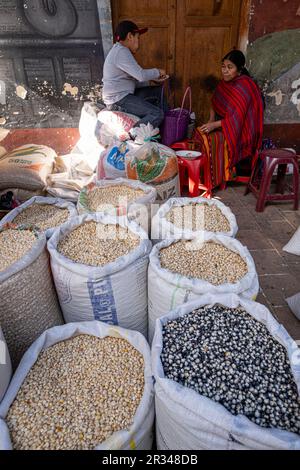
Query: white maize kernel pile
{"x":209,"y":261}
{"x":112,"y":195}
{"x":43,"y":216}
{"x":96,"y":244}
{"x":77,"y":394}
{"x":198,"y":217}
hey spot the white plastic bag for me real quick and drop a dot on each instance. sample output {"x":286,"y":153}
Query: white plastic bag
{"x":139,"y":436}
{"x":162,"y":229}
{"x":115,"y":293}
{"x":5,"y":366}
{"x":114,"y":126}
{"x":167,"y":290}
{"x":111,"y":163}
{"x":293,"y":246}
{"x":187,"y":420}
{"x":9,"y":218}
{"x":153,"y":163}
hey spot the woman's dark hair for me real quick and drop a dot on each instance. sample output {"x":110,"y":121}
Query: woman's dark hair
{"x":237,"y":58}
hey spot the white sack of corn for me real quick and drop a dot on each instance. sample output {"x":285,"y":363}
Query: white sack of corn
{"x":140,"y":434}
{"x":167,"y":290}
{"x":163,"y":229}
{"x":47,"y":201}
{"x":187,"y":420}
{"x":29,"y":303}
{"x":115,"y":293}
{"x":138,"y":209}
{"x":5,"y":366}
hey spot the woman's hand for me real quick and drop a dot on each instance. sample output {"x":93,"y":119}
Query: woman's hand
{"x":208,"y":127}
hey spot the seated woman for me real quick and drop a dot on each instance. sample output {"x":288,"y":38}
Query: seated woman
{"x":235,"y":128}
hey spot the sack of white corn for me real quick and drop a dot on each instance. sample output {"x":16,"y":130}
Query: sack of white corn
{"x":27,"y":167}
{"x":81,"y":386}
{"x":99,"y":264}
{"x":227,"y":377}
{"x":153,"y":163}
{"x":119,"y":197}
{"x":29,"y":303}
{"x":185,"y":217}
{"x":181,"y":271}
{"x":45,"y":213}
{"x":5,"y":366}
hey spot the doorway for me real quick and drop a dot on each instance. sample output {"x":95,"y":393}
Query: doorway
{"x":188,"y":38}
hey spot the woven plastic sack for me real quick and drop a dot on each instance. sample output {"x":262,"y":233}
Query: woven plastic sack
{"x":163,"y":229}
{"x":5,"y":366}
{"x":27,"y":167}
{"x":29,"y":303}
{"x":294,"y":304}
{"x":167,"y":290}
{"x":115,"y":293}
{"x":189,"y":421}
{"x":293,"y":246}
{"x":153,"y":163}
{"x":41,"y":200}
{"x":140,"y":434}
{"x":114,"y":126}
{"x":138,"y":210}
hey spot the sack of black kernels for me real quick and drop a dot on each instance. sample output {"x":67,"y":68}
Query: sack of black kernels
{"x":99,"y":264}
{"x":29,"y":303}
{"x":227,"y":377}
{"x":81,"y":386}
{"x":5,"y":366}
{"x":182,"y":270}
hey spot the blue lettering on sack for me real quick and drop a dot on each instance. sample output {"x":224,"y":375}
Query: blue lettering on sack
{"x":102,"y":300}
{"x":116,"y":157}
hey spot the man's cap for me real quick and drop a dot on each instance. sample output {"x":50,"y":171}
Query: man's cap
{"x":126,"y":27}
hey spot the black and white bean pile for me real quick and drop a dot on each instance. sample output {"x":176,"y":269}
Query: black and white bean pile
{"x":229,"y":357}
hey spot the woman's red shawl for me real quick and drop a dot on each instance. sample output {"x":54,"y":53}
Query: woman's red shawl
{"x":240,"y":106}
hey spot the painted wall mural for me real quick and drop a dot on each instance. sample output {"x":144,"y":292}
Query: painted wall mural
{"x":273,"y":56}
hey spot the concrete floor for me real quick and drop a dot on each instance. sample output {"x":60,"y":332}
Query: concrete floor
{"x":265,"y":234}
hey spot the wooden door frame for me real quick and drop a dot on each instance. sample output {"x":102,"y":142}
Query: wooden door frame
{"x":245,"y":17}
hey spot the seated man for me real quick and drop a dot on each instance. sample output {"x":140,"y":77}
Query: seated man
{"x":126,"y":85}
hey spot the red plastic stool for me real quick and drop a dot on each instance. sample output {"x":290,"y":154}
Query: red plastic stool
{"x":260,"y":186}
{"x":193,"y":168}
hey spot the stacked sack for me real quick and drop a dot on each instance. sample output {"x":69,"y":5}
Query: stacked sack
{"x":25,"y":170}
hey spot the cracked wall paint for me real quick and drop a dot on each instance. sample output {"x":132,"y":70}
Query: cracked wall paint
{"x":278,"y":95}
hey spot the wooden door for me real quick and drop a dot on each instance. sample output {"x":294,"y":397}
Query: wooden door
{"x":205,"y":31}
{"x":157,"y":47}
{"x":188,"y":38}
